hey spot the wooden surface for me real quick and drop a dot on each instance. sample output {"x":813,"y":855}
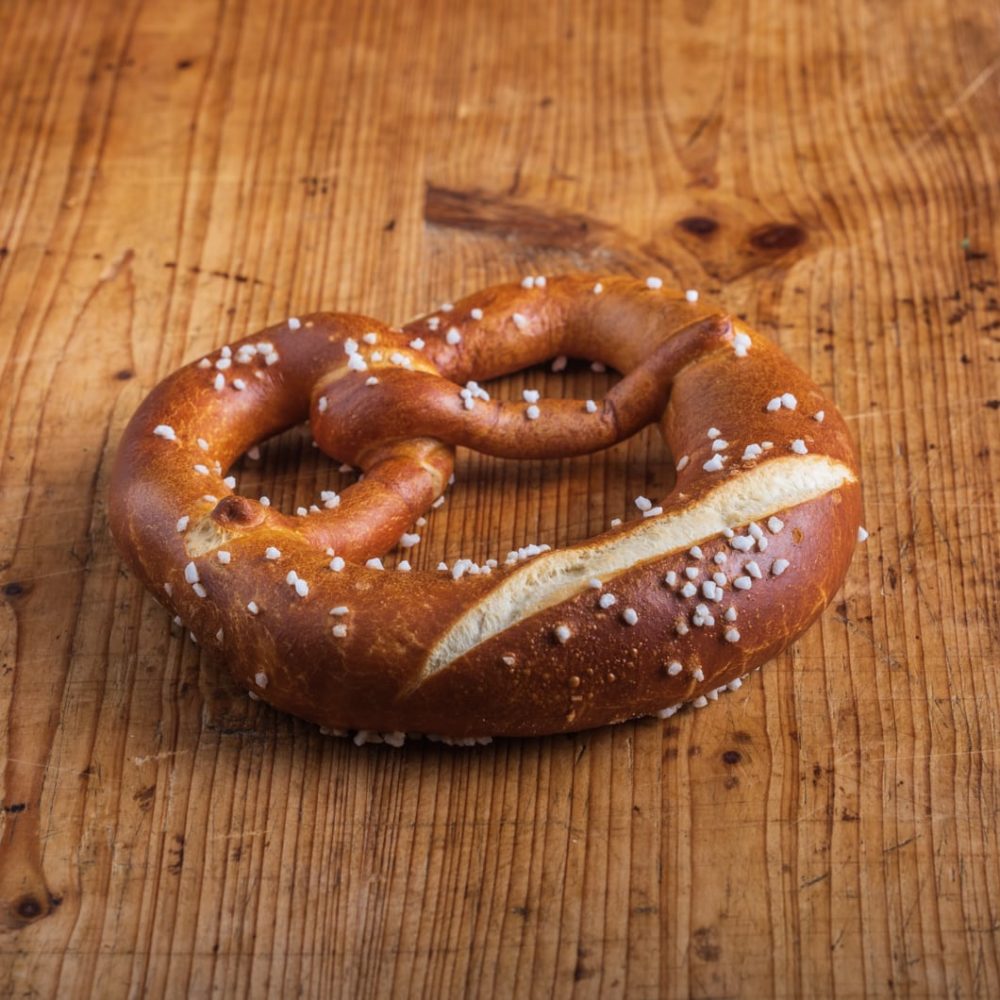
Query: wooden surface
{"x":174,"y":175}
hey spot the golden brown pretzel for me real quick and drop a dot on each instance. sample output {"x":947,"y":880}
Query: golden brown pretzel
{"x":672,"y":607}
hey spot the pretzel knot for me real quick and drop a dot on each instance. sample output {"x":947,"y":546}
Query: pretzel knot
{"x":673,"y":606}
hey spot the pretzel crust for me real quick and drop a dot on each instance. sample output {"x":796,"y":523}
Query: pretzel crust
{"x":671,"y":608}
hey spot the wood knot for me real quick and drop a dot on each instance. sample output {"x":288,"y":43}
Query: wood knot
{"x":778,"y":236}
{"x":237,"y":511}
{"x":28,"y":908}
{"x":698,"y":225}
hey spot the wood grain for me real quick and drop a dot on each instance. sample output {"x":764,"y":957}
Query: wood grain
{"x":173,"y":176}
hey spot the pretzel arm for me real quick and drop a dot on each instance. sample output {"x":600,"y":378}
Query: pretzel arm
{"x":363,"y":408}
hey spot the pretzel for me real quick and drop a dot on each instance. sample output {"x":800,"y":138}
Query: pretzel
{"x":672,"y":607}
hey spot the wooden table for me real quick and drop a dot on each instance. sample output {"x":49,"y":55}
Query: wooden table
{"x":176,"y":175}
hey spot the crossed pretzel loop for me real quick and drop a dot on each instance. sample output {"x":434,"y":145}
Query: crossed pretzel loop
{"x":673,"y":607}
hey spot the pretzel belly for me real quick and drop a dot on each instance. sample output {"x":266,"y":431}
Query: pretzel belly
{"x":609,"y":671}
{"x":729,"y":568}
{"x":523,"y":680}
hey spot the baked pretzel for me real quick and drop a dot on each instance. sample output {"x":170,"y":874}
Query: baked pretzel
{"x":671,"y":607}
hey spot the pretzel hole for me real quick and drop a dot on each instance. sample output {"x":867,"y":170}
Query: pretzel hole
{"x":290,"y":472}
{"x":500,"y":504}
{"x":496,"y":505}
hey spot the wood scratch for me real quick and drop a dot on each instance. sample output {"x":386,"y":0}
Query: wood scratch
{"x":139,"y":761}
{"x":977,"y":83}
{"x":116,"y":266}
{"x":883,"y":654}
{"x":244,"y":834}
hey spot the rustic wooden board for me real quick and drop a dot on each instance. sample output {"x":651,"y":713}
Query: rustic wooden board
{"x":175,"y":175}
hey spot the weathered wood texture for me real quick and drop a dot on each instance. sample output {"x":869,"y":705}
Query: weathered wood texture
{"x":175,"y":175}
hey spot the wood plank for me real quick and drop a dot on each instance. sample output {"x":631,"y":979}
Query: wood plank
{"x":174,"y":176}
